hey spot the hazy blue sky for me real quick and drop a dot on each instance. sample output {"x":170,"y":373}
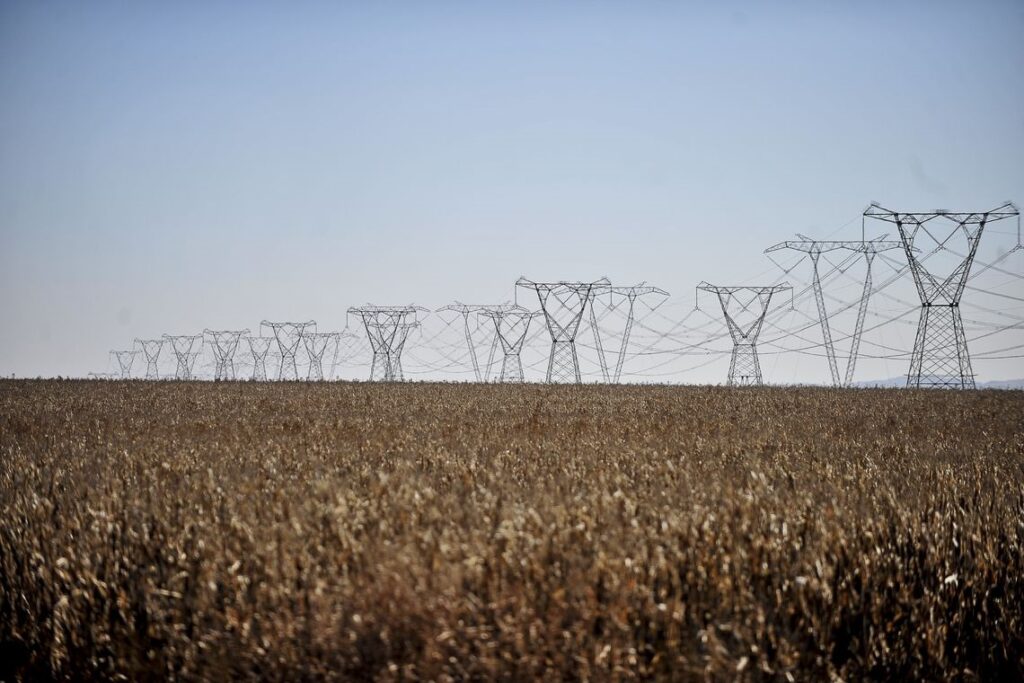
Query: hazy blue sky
{"x":166,"y":167}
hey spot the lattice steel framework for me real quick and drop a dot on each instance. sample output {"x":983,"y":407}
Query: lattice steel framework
{"x":753,"y":303}
{"x":185,"y":353}
{"x":259,"y":347}
{"x":289,"y":339}
{"x":151,"y":349}
{"x":316,"y":346}
{"x":125,"y":360}
{"x":387,"y":328}
{"x":224,"y":344}
{"x":631,"y":294}
{"x":814,"y":249}
{"x":564,"y":305}
{"x":466,"y":310}
{"x":940,"y":357}
{"x":511,"y":323}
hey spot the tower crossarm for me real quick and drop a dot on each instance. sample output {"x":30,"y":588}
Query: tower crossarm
{"x":810,"y":246}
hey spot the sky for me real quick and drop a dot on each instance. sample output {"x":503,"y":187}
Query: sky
{"x":169,"y":167}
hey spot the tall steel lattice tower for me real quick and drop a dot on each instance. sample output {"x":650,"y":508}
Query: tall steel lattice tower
{"x":259,"y":347}
{"x":753,"y":303}
{"x":185,"y":353}
{"x":511,"y":323}
{"x":289,"y":338}
{"x":630,"y":295}
{"x":814,"y":249}
{"x":151,"y":349}
{"x":564,"y":305}
{"x":125,"y":360}
{"x":316,"y":346}
{"x":224,"y":344}
{"x":466,"y":310}
{"x":940,"y":357}
{"x":387,"y":328}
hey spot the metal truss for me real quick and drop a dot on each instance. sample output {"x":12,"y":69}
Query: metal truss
{"x":184,"y":352}
{"x":631,"y":294}
{"x":387,"y":328}
{"x":289,"y":338}
{"x":511,"y":323}
{"x":940,"y":357}
{"x":465,"y":310}
{"x":125,"y":360}
{"x":259,"y":347}
{"x":814,"y":249}
{"x":316,"y":346}
{"x":564,"y":304}
{"x":224,"y":344}
{"x":151,"y":349}
{"x":744,"y":368}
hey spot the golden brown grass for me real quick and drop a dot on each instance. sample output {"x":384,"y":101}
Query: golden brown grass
{"x":287,"y":531}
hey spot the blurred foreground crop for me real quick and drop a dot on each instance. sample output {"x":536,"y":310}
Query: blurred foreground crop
{"x":365,"y":531}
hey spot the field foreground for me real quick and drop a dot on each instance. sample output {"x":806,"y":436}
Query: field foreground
{"x":293,"y":530}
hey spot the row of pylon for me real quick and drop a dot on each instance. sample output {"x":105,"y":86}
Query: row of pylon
{"x":940,"y":356}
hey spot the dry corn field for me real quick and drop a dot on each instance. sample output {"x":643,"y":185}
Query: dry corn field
{"x":282,"y":531}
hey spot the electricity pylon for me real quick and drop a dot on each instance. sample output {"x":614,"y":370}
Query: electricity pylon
{"x":465,"y":310}
{"x":564,"y":304}
{"x":151,"y":350}
{"x":387,"y":328}
{"x":184,"y":352}
{"x":511,"y":323}
{"x":814,"y":249}
{"x":631,"y":294}
{"x":744,"y":368}
{"x":125,"y":360}
{"x":224,"y":343}
{"x":316,"y":345}
{"x":289,"y":337}
{"x":940,"y":357}
{"x":259,"y":347}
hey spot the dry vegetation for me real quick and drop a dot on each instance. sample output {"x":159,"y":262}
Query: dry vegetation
{"x":353,"y":531}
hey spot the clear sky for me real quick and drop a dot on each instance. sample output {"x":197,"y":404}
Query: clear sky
{"x":166,"y":167}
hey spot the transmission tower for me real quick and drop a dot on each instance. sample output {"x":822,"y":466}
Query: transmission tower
{"x":631,"y":294}
{"x":151,"y":350}
{"x":465,"y":310}
{"x":125,"y":360}
{"x":387,"y":328}
{"x":563,"y":305}
{"x":289,"y":337}
{"x":744,"y":368}
{"x":184,"y":352}
{"x":259,"y":347}
{"x":511,"y":323}
{"x":940,"y":357}
{"x":814,"y":249}
{"x":316,"y":346}
{"x":224,"y":344}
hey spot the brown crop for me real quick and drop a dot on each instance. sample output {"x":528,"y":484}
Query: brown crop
{"x":291,"y":531}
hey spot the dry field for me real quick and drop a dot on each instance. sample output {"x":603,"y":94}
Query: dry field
{"x":354,"y":531}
